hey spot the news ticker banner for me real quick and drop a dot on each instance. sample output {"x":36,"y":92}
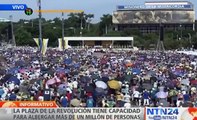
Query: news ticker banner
{"x":98,"y":114}
{"x":48,"y":110}
{"x":71,"y":114}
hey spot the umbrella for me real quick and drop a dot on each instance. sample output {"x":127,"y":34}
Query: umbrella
{"x":20,"y":63}
{"x":99,"y":90}
{"x":105,"y":79}
{"x":60,"y":70}
{"x":178,"y":73}
{"x":161,"y":94}
{"x":14,"y":79}
{"x":153,"y":78}
{"x":89,"y":88}
{"x":147,"y":86}
{"x":6,"y":77}
{"x":185,"y":82}
{"x":77,"y":65}
{"x":101,"y":84}
{"x":85,"y":79}
{"x":75,"y":102}
{"x":51,"y":82}
{"x":136,"y":71}
{"x":13,"y":70}
{"x":22,"y":70}
{"x":68,"y":61}
{"x":114,"y":84}
{"x":50,"y":72}
{"x":62,"y":91}
{"x":62,"y":86}
{"x":67,"y":71}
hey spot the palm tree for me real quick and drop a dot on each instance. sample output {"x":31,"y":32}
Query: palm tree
{"x":106,"y":19}
{"x":88,"y":18}
{"x":73,"y":20}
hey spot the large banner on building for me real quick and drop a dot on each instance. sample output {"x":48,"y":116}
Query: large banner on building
{"x":151,"y":16}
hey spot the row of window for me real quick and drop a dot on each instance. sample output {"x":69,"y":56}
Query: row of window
{"x":154,"y":28}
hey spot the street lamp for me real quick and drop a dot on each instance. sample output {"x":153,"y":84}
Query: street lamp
{"x":181,"y":30}
{"x":81,"y":33}
{"x":81,"y":36}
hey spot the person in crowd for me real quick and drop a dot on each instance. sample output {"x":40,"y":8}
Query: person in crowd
{"x":146,"y":97}
{"x":64,"y":101}
{"x":12,"y":96}
{"x":136,"y":96}
{"x":137,"y":75}
{"x":90,"y":102}
{"x":1,"y":92}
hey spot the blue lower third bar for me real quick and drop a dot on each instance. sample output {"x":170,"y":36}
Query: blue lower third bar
{"x":13,"y":7}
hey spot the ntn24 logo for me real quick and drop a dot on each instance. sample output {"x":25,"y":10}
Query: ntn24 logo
{"x":162,"y":111}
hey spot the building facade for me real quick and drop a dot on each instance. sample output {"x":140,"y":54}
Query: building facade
{"x":147,"y":18}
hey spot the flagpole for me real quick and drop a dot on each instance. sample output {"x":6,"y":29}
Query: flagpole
{"x":63,"y":42}
{"x":40,"y":25}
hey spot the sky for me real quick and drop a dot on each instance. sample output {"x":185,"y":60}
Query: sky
{"x":96,"y":7}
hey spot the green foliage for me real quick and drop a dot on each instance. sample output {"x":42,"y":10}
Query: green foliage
{"x":26,"y":30}
{"x":23,"y":37}
{"x":150,"y":39}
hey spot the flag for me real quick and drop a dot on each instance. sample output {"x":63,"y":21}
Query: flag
{"x":60,"y":44}
{"x":65,"y":43}
{"x":44,"y":46}
{"x":37,"y":41}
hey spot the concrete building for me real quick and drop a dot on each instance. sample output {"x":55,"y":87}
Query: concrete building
{"x":174,"y":15}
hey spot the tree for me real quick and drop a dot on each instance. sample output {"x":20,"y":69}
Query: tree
{"x":106,"y":20}
{"x":88,"y":18}
{"x":23,"y":37}
{"x":150,"y":40}
{"x":73,"y":20}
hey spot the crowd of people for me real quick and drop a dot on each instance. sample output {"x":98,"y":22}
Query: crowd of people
{"x":77,"y":78}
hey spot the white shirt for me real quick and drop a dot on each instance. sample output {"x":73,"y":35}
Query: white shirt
{"x":41,"y":98}
{"x":70,"y":85}
{"x":75,"y":84}
{"x":127,"y":105}
{"x":136,"y":94}
{"x":11,"y":86}
{"x":127,"y":98}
